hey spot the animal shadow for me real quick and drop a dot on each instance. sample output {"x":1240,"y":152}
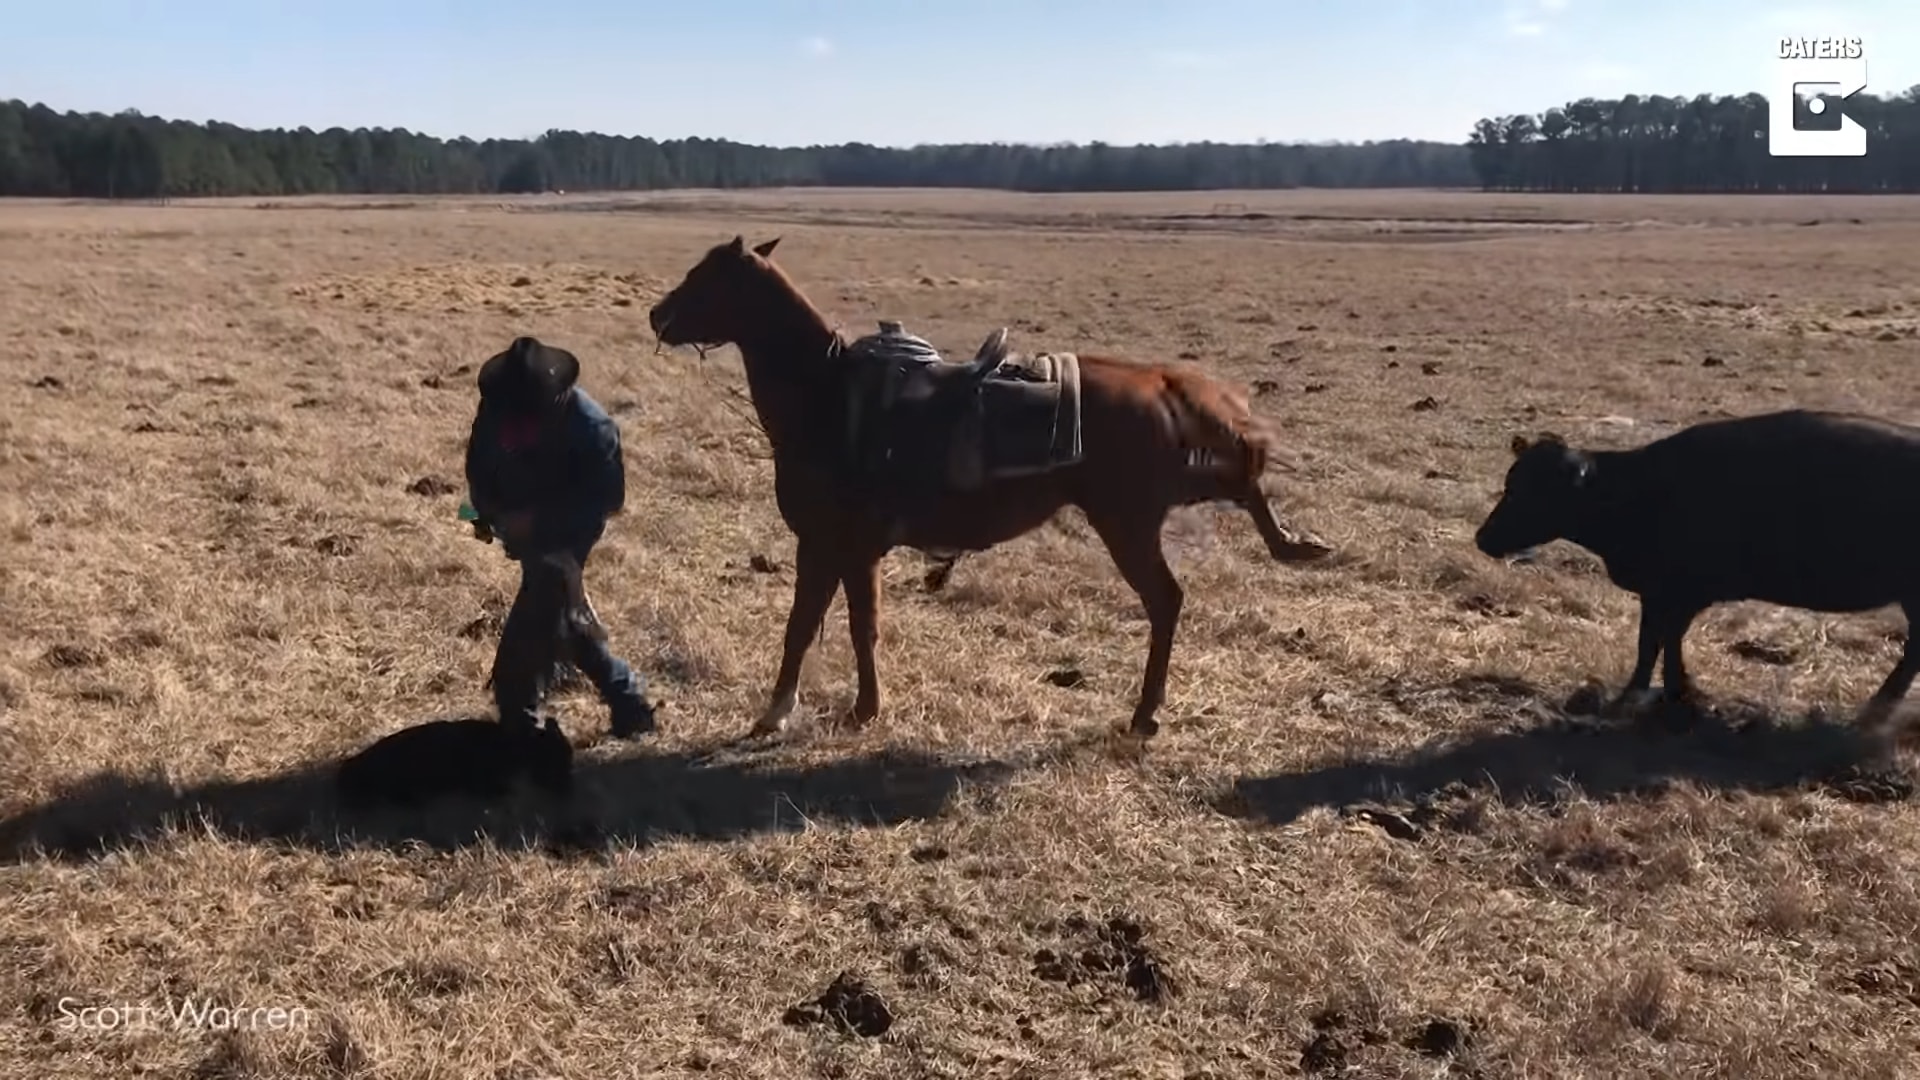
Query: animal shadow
{"x":627,"y":801}
{"x":1536,"y":753}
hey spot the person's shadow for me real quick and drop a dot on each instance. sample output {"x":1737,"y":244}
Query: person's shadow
{"x":1537,"y":751}
{"x":634,"y":800}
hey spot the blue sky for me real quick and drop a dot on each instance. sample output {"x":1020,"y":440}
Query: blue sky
{"x":897,"y":72}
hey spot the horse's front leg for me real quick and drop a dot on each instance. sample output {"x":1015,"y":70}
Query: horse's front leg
{"x":815,"y":580}
{"x":862,"y":581}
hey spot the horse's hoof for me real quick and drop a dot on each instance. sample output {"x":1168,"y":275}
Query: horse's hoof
{"x":1143,"y":727}
{"x":1300,"y":551}
{"x":1298,"y":546}
{"x":775,"y":718}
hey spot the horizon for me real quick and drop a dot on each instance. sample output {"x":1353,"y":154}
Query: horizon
{"x":712,"y":138}
{"x":1002,"y":73}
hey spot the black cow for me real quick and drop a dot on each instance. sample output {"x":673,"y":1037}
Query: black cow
{"x":1814,"y":510}
{"x":474,"y":756}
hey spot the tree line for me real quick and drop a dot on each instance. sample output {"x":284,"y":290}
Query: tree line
{"x":128,"y":155}
{"x":1633,"y":144}
{"x":1699,"y":144}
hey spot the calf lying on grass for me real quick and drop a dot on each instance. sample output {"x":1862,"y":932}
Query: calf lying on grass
{"x":1813,"y":510}
{"x":474,"y":756}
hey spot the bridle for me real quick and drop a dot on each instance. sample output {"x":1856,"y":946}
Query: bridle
{"x":699,"y":347}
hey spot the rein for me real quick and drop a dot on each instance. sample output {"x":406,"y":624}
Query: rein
{"x":741,"y":404}
{"x":808,"y":382}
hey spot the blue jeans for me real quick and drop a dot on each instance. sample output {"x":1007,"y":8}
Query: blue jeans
{"x":541,"y":596}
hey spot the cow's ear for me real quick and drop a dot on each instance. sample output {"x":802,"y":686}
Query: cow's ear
{"x":1520,"y":445}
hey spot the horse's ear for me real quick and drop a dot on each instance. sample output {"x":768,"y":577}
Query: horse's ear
{"x":739,"y":245}
{"x":1520,"y":445}
{"x":766,"y":249}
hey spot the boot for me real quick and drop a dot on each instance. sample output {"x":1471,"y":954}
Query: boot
{"x":630,"y":718}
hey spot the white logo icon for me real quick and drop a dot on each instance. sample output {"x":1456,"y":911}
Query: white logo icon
{"x":1813,"y":81}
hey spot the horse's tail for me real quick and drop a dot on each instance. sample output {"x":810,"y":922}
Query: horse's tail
{"x":1216,"y":429}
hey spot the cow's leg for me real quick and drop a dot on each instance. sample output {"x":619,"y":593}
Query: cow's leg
{"x":1875,"y":715}
{"x":1650,"y":640}
{"x":815,"y":580}
{"x":1675,"y":687}
{"x":862,"y":582}
{"x":1663,"y":623}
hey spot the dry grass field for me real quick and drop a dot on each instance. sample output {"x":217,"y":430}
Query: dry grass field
{"x":1372,"y":840}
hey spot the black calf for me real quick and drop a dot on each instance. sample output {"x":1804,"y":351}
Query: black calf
{"x":478,"y":757}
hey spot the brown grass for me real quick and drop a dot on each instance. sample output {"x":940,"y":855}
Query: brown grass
{"x":1367,"y":840}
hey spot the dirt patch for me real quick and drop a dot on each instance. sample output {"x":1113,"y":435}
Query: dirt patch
{"x":848,"y":1004}
{"x":1113,"y":951}
{"x":433,"y":487}
{"x":496,"y":288}
{"x":74,"y":655}
{"x":1891,"y":321}
{"x":920,"y":281}
{"x":1895,"y":980}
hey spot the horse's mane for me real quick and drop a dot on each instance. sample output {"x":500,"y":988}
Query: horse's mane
{"x":837,"y":338}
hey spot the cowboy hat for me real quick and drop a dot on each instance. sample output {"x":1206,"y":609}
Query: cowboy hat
{"x":527,"y":375}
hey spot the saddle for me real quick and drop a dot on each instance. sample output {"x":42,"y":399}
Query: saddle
{"x":918,"y":423}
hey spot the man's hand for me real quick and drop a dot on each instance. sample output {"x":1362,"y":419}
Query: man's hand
{"x":514,"y":530}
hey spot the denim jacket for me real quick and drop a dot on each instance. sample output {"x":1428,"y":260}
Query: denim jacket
{"x":572,"y":480}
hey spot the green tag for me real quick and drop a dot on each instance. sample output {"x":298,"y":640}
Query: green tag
{"x":467,"y":512}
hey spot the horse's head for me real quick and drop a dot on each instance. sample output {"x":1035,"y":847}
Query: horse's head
{"x":719,"y":299}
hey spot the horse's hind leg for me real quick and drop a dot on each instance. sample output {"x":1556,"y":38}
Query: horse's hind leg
{"x":862,"y":582}
{"x":1283,"y":547}
{"x":1133,"y":540}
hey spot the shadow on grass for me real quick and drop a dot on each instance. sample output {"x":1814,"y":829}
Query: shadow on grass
{"x":633,"y":800}
{"x":1537,"y":753}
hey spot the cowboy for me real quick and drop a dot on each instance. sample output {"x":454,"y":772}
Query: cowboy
{"x":544,"y":472}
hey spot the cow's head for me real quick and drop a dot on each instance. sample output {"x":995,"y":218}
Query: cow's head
{"x":1543,"y":490}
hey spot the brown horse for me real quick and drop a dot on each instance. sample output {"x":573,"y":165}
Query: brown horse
{"x":1154,"y":436}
